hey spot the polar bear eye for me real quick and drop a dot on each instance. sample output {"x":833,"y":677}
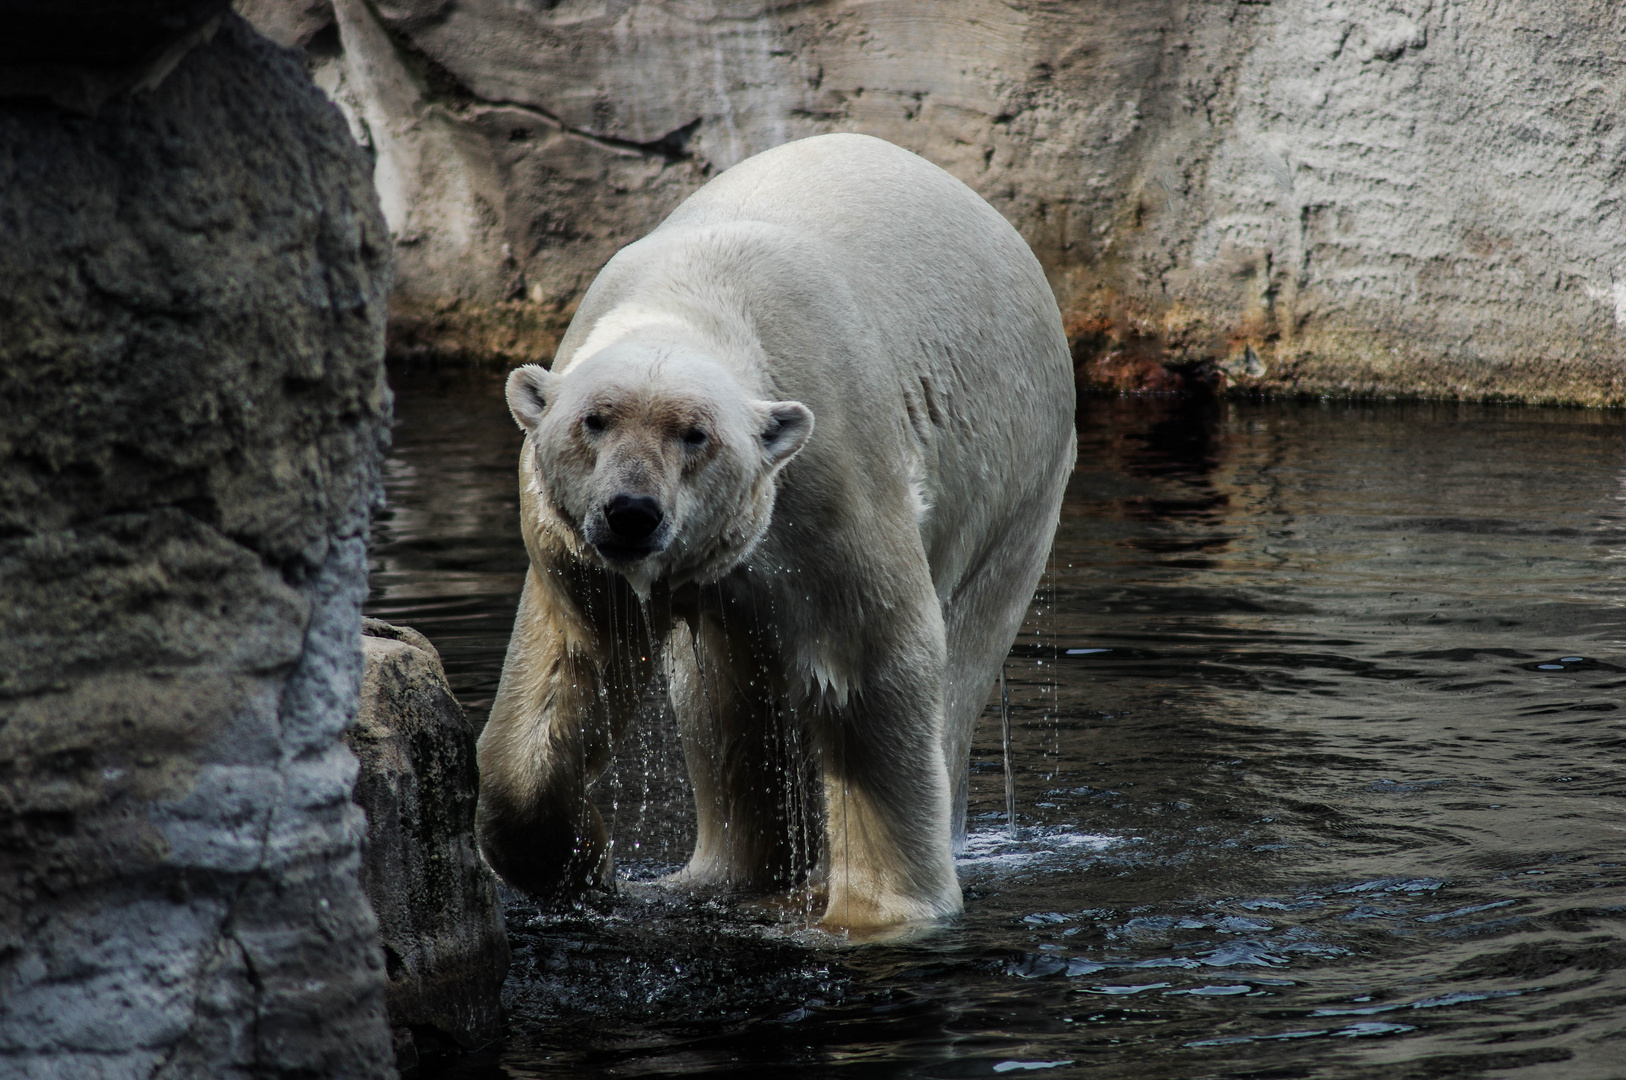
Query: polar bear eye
{"x":593,"y":422}
{"x":694,"y":437}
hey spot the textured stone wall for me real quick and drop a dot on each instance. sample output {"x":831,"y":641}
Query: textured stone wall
{"x":1391,"y":196}
{"x":193,"y":279}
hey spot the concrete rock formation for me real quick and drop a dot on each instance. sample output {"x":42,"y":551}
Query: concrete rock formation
{"x":193,"y":280}
{"x":1363,"y":196}
{"x":445,"y":945}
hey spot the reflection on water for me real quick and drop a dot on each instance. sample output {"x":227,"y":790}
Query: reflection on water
{"x":446,"y":555}
{"x":1319,"y":772}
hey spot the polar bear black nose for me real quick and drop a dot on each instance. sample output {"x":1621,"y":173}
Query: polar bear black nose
{"x":632,"y":517}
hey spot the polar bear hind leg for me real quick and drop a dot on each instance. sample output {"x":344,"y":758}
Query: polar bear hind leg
{"x":982,"y":620}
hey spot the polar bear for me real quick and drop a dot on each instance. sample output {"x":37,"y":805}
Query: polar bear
{"x":798,"y":465}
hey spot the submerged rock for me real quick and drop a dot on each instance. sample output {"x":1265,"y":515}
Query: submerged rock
{"x":445,"y":946}
{"x":193,"y":272}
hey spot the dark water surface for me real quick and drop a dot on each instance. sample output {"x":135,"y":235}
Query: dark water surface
{"x":1319,"y":765}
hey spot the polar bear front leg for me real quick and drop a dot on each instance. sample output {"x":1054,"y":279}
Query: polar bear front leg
{"x":755,"y":799}
{"x":558,"y":710}
{"x":888,"y":850}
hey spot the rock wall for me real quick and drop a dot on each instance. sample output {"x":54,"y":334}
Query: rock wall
{"x":1370,"y":196}
{"x":193,"y":281}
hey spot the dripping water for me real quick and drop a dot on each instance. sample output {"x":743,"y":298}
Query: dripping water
{"x":1053,"y":701}
{"x":1005,"y":741}
{"x":612,"y":770}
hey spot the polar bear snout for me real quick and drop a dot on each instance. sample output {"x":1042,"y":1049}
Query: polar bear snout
{"x":633,"y":519}
{"x":627,"y":528}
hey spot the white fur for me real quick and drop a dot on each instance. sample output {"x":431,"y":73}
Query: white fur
{"x":835,"y":593}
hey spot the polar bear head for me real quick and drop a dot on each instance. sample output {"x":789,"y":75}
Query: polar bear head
{"x":653,"y":460}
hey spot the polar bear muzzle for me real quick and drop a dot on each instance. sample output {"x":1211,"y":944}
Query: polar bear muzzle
{"x":632,"y":518}
{"x":627,"y":528}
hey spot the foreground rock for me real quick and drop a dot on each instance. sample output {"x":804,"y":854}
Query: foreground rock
{"x":193,"y":273}
{"x":1385,"y":196}
{"x":445,"y":948}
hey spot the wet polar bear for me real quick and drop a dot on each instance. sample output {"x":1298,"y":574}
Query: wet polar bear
{"x":798,"y":463}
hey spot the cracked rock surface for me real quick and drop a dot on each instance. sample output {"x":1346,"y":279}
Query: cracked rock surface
{"x":193,"y":280}
{"x":445,"y":944}
{"x":1324,"y":196}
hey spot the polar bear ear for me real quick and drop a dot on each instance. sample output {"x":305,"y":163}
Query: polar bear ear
{"x":785,"y":428}
{"x":530,"y":389}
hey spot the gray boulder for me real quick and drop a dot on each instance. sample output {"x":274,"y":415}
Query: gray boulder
{"x":445,"y":945}
{"x":193,"y":275}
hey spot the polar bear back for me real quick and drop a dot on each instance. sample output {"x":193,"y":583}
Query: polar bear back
{"x":961,"y":309}
{"x":910,"y":237}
